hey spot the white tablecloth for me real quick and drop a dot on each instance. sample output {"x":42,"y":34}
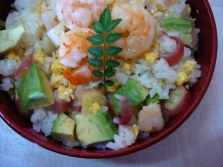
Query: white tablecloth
{"x":197,"y":143}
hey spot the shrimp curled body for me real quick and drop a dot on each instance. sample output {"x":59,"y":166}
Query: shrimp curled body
{"x":74,"y":46}
{"x":137,"y":27}
{"x":79,"y":13}
{"x":150,"y":118}
{"x":73,"y":53}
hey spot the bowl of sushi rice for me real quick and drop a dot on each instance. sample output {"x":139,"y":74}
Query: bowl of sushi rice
{"x":103,"y":79}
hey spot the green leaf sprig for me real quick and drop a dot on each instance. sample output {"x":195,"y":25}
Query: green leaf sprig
{"x":102,"y":49}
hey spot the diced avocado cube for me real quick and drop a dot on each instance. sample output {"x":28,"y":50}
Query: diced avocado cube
{"x":185,"y":27}
{"x":34,"y":90}
{"x":95,"y":127}
{"x":64,"y":128}
{"x":178,"y":24}
{"x":9,"y":39}
{"x":151,"y":100}
{"x":135,"y":91}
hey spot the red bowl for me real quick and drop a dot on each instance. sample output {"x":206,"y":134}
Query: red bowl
{"x":206,"y":57}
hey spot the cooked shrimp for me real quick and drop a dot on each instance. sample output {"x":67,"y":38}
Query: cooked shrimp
{"x":74,"y":46}
{"x":80,"y":75}
{"x":79,"y":13}
{"x":150,"y":118}
{"x":137,"y":26}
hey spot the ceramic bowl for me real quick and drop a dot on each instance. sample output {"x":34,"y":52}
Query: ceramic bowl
{"x":206,"y":57}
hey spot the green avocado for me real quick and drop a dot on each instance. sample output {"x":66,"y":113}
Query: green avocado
{"x":136,"y":92}
{"x":64,"y":128}
{"x":34,"y":90}
{"x":185,"y":27}
{"x":9,"y":39}
{"x":151,"y":100}
{"x":95,"y":127}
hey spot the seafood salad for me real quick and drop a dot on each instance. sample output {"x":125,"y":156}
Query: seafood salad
{"x":99,"y":73}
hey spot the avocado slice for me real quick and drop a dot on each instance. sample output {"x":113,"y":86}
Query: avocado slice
{"x":95,"y":127}
{"x":34,"y":90}
{"x":136,"y":92}
{"x":9,"y":39}
{"x":151,"y":100}
{"x":64,"y":128}
{"x":185,"y":27}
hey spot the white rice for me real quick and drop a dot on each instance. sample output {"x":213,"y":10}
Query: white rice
{"x":43,"y":121}
{"x":8,"y":66}
{"x":6,"y":84}
{"x":124,"y":139}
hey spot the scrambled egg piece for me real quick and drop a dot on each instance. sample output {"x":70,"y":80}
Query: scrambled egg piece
{"x":39,"y":57}
{"x":65,"y":93}
{"x":138,"y":1}
{"x":189,"y":66}
{"x":155,"y":46}
{"x":56,"y":67}
{"x":188,"y":10}
{"x":126,"y":66}
{"x":151,"y":57}
{"x":182,"y":78}
{"x":110,"y":3}
{"x":132,"y":70}
{"x":95,"y":107}
{"x":135,"y":130}
{"x":58,"y":79}
{"x":113,"y":87}
{"x":152,"y":12}
{"x":39,"y":9}
{"x":160,"y":8}
{"x":12,"y":55}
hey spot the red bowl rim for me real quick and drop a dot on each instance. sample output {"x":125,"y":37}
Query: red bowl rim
{"x":26,"y":134}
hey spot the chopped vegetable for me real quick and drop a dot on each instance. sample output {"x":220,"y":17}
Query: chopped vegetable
{"x":90,"y":96}
{"x":126,"y":109}
{"x":176,"y":56}
{"x":179,"y":99}
{"x":151,"y":100}
{"x":9,"y":39}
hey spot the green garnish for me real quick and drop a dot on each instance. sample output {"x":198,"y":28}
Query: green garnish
{"x":102,"y":49}
{"x":2,"y":25}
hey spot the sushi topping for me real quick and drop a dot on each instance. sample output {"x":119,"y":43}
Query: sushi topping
{"x":174,"y":57}
{"x":59,"y":106}
{"x":126,"y":108}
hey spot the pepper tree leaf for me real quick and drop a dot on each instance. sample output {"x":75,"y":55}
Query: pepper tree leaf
{"x":112,"y":24}
{"x":109,"y":72}
{"x":105,"y":18}
{"x":97,"y":73}
{"x":98,"y":27}
{"x":112,"y":37}
{"x":100,"y":85}
{"x":96,"y":51}
{"x":109,"y":83}
{"x":96,"y":39}
{"x":113,"y":50}
{"x":95,"y":62}
{"x":110,"y":63}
